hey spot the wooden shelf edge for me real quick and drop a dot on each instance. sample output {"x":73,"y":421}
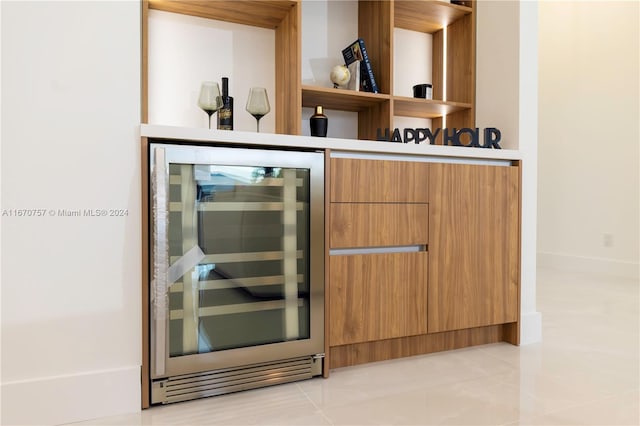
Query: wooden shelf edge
{"x":426,"y":108}
{"x":265,"y":13}
{"x":349,"y":100}
{"x":341,"y":99}
{"x":427,"y":16}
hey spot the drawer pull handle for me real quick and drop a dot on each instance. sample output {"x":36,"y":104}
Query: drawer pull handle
{"x":377,"y":250}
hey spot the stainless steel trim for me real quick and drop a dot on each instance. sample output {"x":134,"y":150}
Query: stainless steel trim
{"x":158,"y":391}
{"x":159,"y":323}
{"x":317,"y":365}
{"x":222,"y":381}
{"x":420,"y":158}
{"x":233,"y":378}
{"x":377,"y":250}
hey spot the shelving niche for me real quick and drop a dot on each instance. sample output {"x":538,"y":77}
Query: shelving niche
{"x":453,"y":94}
{"x":283,"y":16}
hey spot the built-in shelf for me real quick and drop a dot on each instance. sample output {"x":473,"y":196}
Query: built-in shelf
{"x":425,"y":108}
{"x":374,"y":110}
{"x":349,"y":100}
{"x":282,"y":16}
{"x":340,"y":99}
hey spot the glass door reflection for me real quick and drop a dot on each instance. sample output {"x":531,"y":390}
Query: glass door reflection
{"x":252,"y":285}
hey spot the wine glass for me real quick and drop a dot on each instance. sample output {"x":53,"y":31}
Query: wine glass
{"x":258,"y":104}
{"x":210,"y":100}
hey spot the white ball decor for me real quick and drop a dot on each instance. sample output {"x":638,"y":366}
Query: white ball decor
{"x":340,"y":76}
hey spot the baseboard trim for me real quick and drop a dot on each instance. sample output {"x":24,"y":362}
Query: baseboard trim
{"x":71,"y":398}
{"x":591,"y":265}
{"x":400,"y":347}
{"x":530,"y":328}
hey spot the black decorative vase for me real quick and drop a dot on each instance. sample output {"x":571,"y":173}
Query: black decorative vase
{"x":319,"y":123}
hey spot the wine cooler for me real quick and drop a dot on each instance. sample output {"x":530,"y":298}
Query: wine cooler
{"x":237,"y":269}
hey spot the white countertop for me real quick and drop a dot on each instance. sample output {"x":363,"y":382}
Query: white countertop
{"x":204,"y":136}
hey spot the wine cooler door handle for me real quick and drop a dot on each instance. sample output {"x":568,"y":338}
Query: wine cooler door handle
{"x":160,"y":283}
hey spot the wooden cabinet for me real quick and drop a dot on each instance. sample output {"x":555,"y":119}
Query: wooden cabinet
{"x":377,"y":208}
{"x":474,"y":246}
{"x":453,"y":71}
{"x":460,"y":289}
{"x":377,"y":296}
{"x":378,"y":225}
{"x":375,"y":181}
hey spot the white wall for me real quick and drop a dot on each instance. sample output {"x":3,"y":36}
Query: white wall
{"x":506,"y":98}
{"x":412,"y":55}
{"x":497,"y":69}
{"x":589,"y":183}
{"x":71,"y":325}
{"x":327,"y":28}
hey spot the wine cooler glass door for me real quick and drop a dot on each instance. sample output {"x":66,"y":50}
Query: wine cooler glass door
{"x":234,"y":256}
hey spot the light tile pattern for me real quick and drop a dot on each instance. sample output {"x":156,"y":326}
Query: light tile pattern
{"x":585,"y":372}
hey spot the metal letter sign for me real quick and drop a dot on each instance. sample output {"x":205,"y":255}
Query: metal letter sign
{"x":453,"y":137}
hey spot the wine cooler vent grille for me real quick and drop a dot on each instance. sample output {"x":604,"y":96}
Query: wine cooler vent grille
{"x":218,"y":382}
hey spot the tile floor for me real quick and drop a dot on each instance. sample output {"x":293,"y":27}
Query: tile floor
{"x":585,"y":372}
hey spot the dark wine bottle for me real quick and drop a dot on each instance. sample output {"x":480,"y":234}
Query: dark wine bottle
{"x":225,"y":114}
{"x":318,"y":123}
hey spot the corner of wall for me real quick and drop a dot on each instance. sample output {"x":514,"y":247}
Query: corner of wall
{"x":530,"y":328}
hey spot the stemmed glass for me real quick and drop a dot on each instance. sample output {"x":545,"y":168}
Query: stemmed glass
{"x":210,"y":100}
{"x":258,"y":104}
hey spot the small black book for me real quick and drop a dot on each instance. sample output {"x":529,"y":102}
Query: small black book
{"x":357,"y":51}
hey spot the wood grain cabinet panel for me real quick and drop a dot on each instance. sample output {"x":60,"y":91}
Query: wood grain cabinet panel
{"x":473,"y":245}
{"x":377,"y":296}
{"x":378,"y":181}
{"x":371,"y":225}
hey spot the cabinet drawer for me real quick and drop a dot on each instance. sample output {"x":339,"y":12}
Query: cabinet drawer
{"x":378,"y":181}
{"x":377,"y":296}
{"x":375,"y":225}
